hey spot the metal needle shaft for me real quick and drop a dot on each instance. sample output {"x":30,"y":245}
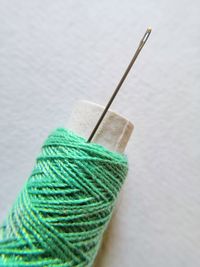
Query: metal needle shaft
{"x":141,"y":44}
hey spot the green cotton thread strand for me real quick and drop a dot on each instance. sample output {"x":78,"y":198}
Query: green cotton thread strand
{"x":61,"y":214}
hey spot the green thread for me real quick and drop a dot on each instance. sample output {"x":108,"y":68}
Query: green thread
{"x":65,"y":206}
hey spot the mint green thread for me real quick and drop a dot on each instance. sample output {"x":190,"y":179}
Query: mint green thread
{"x":61,"y":214}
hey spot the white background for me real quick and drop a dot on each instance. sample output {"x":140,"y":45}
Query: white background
{"x":53,"y":53}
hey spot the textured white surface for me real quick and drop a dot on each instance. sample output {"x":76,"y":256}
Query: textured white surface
{"x":53,"y":53}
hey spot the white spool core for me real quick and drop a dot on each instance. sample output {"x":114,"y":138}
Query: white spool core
{"x":114,"y":131}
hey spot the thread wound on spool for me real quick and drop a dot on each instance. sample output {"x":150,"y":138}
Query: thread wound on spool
{"x":61,"y":213}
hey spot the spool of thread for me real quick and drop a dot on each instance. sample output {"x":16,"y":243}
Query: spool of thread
{"x":63,"y":210}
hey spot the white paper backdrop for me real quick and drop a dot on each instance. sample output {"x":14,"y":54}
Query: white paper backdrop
{"x":53,"y":53}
